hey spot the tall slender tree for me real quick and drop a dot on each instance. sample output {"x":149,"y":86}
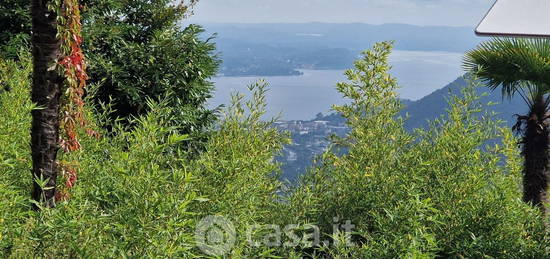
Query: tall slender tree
{"x":46,"y":92}
{"x":522,"y":67}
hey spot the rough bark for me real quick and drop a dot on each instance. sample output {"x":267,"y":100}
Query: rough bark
{"x":535,"y":151}
{"x":46,"y":92}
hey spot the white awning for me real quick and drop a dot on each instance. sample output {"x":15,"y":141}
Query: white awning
{"x":517,"y":18}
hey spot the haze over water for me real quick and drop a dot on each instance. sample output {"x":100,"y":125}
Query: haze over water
{"x":301,"y":97}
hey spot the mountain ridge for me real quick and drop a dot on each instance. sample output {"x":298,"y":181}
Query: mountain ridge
{"x":267,"y":49}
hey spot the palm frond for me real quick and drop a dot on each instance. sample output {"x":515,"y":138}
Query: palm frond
{"x":517,"y":65}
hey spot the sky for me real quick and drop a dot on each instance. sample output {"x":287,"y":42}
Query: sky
{"x":419,"y":12}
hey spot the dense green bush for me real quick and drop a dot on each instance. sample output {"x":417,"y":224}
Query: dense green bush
{"x":237,"y":173}
{"x":442,"y":192}
{"x":137,"y":194}
{"x":15,"y":164}
{"x":136,"y":51}
{"x":448,"y":191}
{"x":15,"y":26}
{"x":115,"y":208}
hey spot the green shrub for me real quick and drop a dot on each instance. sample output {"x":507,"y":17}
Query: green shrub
{"x":442,"y":192}
{"x":138,"y":194}
{"x":448,"y":191}
{"x":129,"y":199}
{"x":15,"y":27}
{"x":15,"y":160}
{"x":137,"y":51}
{"x":237,"y":172}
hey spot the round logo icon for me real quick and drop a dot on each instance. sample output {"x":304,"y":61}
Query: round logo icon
{"x":215,"y":235}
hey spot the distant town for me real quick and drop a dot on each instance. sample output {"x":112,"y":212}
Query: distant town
{"x":309,"y":139}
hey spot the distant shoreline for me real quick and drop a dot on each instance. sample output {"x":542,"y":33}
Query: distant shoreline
{"x":298,"y":73}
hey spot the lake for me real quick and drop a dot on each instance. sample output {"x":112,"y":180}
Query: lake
{"x":301,"y":97}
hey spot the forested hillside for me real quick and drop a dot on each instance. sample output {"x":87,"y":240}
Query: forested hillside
{"x":435,"y":104}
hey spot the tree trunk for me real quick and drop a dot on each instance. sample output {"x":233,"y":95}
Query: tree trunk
{"x":535,"y":151}
{"x":46,"y":92}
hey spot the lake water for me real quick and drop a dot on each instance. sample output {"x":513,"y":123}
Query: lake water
{"x":301,"y":97}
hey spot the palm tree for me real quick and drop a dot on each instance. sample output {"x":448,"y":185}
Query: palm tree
{"x":46,"y":92}
{"x":522,"y":67}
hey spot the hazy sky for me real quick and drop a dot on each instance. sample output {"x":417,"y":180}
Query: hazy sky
{"x":421,"y":12}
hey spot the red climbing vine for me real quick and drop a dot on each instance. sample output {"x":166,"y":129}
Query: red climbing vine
{"x":73,"y":66}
